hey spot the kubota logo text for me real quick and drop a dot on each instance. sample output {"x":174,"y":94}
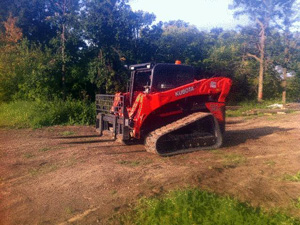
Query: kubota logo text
{"x":184,"y":91}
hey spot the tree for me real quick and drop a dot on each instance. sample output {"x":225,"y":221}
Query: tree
{"x":225,"y":58}
{"x":65,"y":18}
{"x":13,"y":34}
{"x":9,"y":54}
{"x":181,"y":41}
{"x":32,"y":18}
{"x":148,"y":44}
{"x":102,"y":32}
{"x":289,"y":10}
{"x":261,"y":12}
{"x":113,"y":32}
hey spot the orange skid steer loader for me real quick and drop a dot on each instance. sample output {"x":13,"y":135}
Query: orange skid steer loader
{"x":167,"y":108}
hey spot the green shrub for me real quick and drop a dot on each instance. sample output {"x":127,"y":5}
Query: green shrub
{"x":21,"y":114}
{"x":60,"y":112}
{"x":200,"y":207}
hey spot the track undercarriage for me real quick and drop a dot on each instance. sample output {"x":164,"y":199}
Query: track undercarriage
{"x":198,"y":131}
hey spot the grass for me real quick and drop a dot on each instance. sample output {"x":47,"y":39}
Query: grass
{"x":249,"y":105}
{"x":114,"y":192}
{"x":233,"y":160}
{"x":192,"y":206}
{"x":217,"y":152}
{"x":67,"y":133}
{"x":34,"y":172}
{"x":290,"y":177}
{"x":297,"y":203}
{"x":44,"y":149}
{"x":134,"y":163}
{"x":28,"y":155}
{"x":230,"y":160}
{"x":17,"y":114}
{"x":69,"y":210}
{"x":129,"y":163}
{"x":25,"y":114}
{"x":270,"y":163}
{"x":272,"y":118}
{"x":42,"y":170}
{"x":70,"y":162}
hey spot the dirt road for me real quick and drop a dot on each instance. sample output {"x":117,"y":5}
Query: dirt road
{"x":68,"y":175}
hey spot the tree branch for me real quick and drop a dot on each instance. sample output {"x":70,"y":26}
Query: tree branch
{"x":258,"y":46}
{"x":260,"y":23}
{"x":253,"y":56}
{"x":118,"y":52}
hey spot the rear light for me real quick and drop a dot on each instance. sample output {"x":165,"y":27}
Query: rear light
{"x":177,"y":62}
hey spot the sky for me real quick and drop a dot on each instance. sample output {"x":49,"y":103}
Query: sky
{"x":205,"y":14}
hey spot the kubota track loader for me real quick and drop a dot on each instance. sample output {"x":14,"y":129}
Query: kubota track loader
{"x":167,"y":108}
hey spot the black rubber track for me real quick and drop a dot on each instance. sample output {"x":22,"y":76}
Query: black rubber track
{"x":154,"y":140}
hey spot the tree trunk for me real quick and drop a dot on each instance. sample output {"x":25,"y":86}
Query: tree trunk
{"x":261,"y":61}
{"x":63,"y":54}
{"x":260,"y":81}
{"x":100,"y":57}
{"x":284,"y":85}
{"x":286,"y":61}
{"x":63,"y":67}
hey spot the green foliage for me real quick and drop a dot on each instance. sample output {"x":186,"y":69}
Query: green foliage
{"x":32,"y":18}
{"x":25,"y":72}
{"x":180,"y":40}
{"x":23,"y":114}
{"x":105,"y":77}
{"x":293,"y":90}
{"x":199,"y":207}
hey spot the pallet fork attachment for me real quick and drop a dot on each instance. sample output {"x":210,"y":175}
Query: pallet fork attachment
{"x":112,"y":116}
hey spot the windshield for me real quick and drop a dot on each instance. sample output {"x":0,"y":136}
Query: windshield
{"x":168,"y":76}
{"x":142,"y":79}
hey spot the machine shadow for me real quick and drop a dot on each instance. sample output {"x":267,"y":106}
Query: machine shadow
{"x":234,"y":122}
{"x":236,"y":137}
{"x":89,"y":142}
{"x":125,"y":153}
{"x":77,"y":137}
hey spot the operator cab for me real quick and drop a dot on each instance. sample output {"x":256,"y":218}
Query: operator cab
{"x":150,"y":78}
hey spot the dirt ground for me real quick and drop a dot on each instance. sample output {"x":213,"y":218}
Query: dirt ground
{"x":69,"y":175}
